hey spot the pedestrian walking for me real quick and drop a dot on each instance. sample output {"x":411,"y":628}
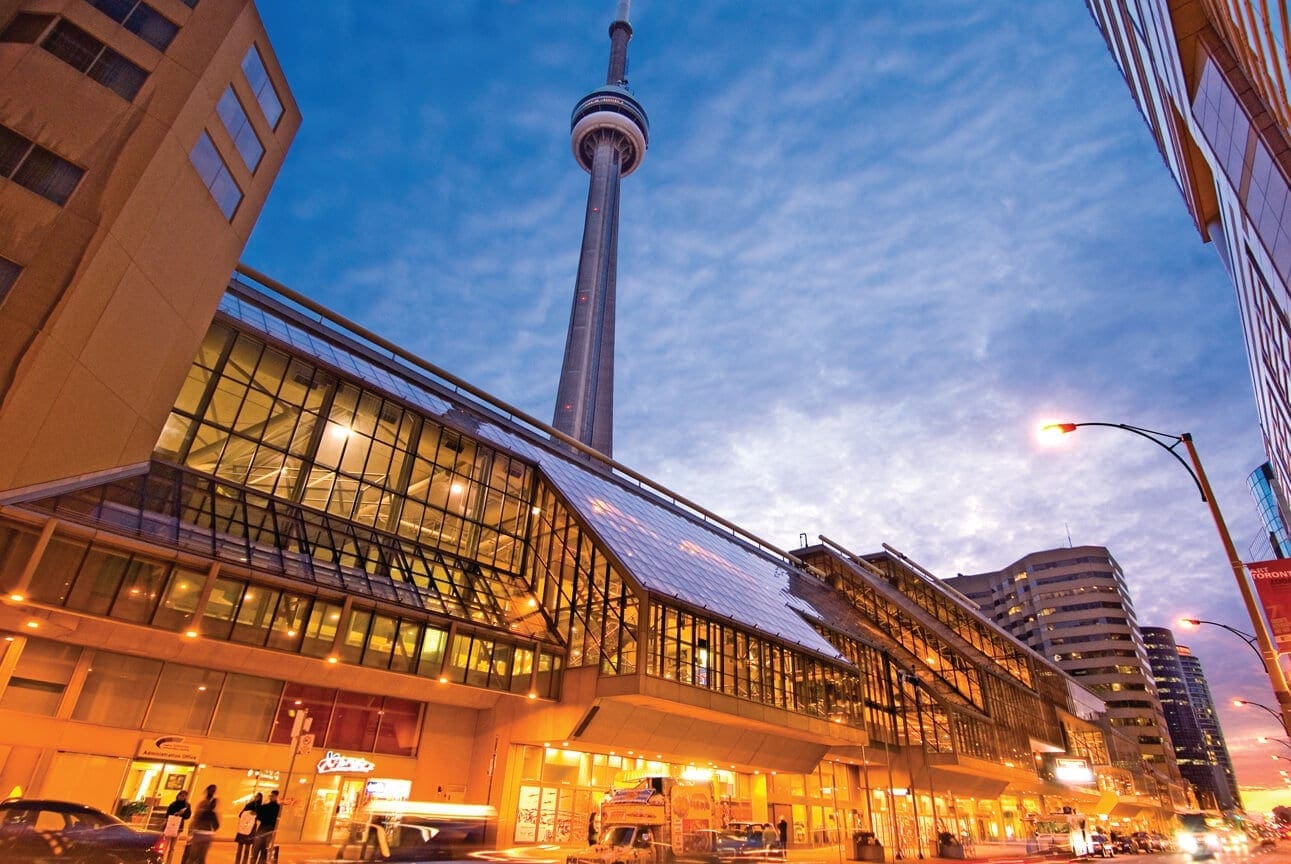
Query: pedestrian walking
{"x":784,"y":833}
{"x":770,"y":839}
{"x":176,"y":812}
{"x":265,"y":831}
{"x":206,"y":821}
{"x":591,"y":829}
{"x":248,"y":819}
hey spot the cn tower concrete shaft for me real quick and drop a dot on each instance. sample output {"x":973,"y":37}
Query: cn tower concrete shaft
{"x":608,"y":133}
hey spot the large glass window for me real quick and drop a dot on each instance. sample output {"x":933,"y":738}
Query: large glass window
{"x":140,"y":19}
{"x":215,"y":175}
{"x":238,"y":125}
{"x":354,"y":722}
{"x":320,"y":632}
{"x":185,"y":700}
{"x":289,"y":622}
{"x":221,"y":607}
{"x":179,"y":603}
{"x":56,"y":571}
{"x":246,"y":708}
{"x":255,"y":614}
{"x":262,"y":87}
{"x":400,"y":727}
{"x":140,"y":591}
{"x":98,"y":582}
{"x":117,"y":690}
{"x":95,"y":60}
{"x":39,"y":169}
{"x":40,"y":677}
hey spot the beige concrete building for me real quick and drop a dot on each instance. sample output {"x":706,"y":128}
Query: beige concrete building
{"x":129,"y":198}
{"x":1072,"y":606}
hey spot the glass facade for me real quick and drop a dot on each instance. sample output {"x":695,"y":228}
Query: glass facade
{"x":694,"y":650}
{"x":130,"y":692}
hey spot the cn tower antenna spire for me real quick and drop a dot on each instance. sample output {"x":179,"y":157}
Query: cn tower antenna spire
{"x":609,"y":132}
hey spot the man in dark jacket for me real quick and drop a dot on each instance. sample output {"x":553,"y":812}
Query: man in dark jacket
{"x":263,"y":842}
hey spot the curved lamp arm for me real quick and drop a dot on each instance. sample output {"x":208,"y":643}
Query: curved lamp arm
{"x":1157,"y":438}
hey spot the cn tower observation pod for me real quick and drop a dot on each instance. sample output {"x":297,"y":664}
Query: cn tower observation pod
{"x":609,"y":113}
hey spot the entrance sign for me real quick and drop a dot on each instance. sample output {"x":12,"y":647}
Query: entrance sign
{"x":1273,"y":584}
{"x":335,"y":763}
{"x":170,"y":748}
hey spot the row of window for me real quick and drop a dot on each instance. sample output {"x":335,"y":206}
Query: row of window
{"x":141,"y":19}
{"x":133,"y":588}
{"x":702,"y":653}
{"x":251,"y":415}
{"x":78,"y":49}
{"x":29,"y":165}
{"x":206,"y":158}
{"x":1070,"y":562}
{"x":142,"y":693}
{"x":1077,"y":607}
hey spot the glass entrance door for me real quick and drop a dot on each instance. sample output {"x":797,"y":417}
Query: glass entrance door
{"x":149,"y":787}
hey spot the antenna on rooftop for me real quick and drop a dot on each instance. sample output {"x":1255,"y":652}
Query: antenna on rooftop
{"x":1068,"y":527}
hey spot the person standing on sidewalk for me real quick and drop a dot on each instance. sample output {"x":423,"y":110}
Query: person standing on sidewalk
{"x":176,"y":813}
{"x":206,"y":821}
{"x":247,"y":821}
{"x":263,"y":842}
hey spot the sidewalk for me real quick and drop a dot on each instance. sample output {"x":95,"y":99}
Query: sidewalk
{"x":223,"y":851}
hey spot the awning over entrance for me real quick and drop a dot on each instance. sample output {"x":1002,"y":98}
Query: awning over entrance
{"x":620,"y":724}
{"x":686,"y":724}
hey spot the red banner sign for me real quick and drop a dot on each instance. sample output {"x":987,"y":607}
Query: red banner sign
{"x":1273,"y":584}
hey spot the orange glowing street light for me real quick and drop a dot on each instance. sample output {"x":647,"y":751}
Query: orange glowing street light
{"x":1242,"y":703}
{"x":1264,"y":739}
{"x":1266,"y":649}
{"x":1245,"y":637}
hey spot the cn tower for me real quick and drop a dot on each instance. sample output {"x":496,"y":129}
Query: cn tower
{"x":608,"y":132}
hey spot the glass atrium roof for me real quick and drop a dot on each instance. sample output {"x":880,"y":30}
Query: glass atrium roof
{"x":667,"y":550}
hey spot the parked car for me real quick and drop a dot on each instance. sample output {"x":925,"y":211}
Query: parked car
{"x":1142,"y":842}
{"x":1122,"y":844}
{"x":727,"y":844}
{"x":33,"y":831}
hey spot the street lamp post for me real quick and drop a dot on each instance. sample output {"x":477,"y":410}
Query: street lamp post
{"x":1267,"y":650}
{"x":1264,"y":739}
{"x":1245,"y":637}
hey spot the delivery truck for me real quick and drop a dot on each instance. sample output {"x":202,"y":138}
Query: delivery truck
{"x":658,"y":820}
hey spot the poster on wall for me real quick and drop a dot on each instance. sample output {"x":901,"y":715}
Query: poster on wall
{"x":1273,"y":585}
{"x":527,"y":814}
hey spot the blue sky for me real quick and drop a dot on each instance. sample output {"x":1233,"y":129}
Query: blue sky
{"x":871,"y":245}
